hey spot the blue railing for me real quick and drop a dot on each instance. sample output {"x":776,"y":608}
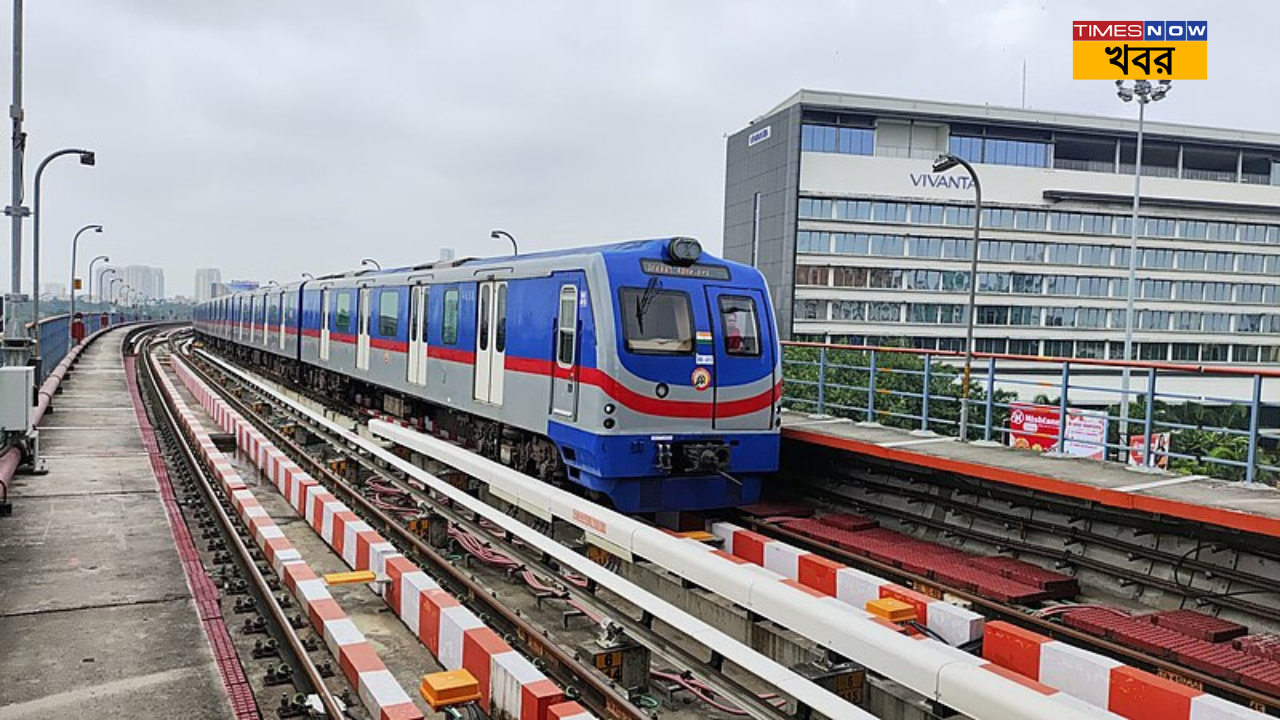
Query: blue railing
{"x":53,"y":337}
{"x":1189,"y":419}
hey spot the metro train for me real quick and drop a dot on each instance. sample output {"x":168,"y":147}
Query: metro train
{"x":647,"y":372}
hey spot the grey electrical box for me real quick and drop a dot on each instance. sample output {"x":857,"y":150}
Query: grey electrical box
{"x":15,"y":398}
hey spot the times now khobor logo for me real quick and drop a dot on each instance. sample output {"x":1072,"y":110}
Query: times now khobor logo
{"x":1143,"y":50}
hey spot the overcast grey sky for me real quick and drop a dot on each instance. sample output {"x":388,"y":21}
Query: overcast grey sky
{"x":272,"y":137}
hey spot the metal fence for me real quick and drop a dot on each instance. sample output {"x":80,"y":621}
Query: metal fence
{"x":1189,"y":419}
{"x":54,"y":338}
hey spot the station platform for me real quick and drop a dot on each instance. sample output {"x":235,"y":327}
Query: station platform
{"x":96,"y":614}
{"x":1247,"y":508}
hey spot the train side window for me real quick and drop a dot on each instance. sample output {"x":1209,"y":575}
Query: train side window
{"x":500,"y":320}
{"x":449,"y":328}
{"x":388,"y":313}
{"x":740,"y":325}
{"x":482,"y":318}
{"x":567,"y":325}
{"x":343,"y":315}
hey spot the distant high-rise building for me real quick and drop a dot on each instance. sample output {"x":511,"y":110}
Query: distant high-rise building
{"x":147,"y":280}
{"x":446,"y":254}
{"x":208,"y":284}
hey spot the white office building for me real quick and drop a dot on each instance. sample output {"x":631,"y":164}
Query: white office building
{"x":832,"y":196}
{"x":208,"y":284}
{"x":147,"y":280}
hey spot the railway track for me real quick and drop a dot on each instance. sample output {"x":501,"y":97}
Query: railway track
{"x":397,"y":506}
{"x":280,"y":648}
{"x":819,"y":490}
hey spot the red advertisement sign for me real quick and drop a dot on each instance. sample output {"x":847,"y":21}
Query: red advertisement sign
{"x":1035,"y":427}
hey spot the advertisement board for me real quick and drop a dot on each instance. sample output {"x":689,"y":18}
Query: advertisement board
{"x":1035,"y":427}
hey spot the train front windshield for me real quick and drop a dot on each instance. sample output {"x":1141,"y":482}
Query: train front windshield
{"x":657,"y":321}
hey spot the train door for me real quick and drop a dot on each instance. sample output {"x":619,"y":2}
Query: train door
{"x":284,"y":313}
{"x":564,"y":372}
{"x":253,"y":318}
{"x":418,"y":335}
{"x":491,"y":341}
{"x":742,"y":353}
{"x":324,"y":324}
{"x":364,"y":309}
{"x":268,"y":309}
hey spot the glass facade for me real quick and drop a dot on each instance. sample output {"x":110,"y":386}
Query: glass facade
{"x":1052,"y":278}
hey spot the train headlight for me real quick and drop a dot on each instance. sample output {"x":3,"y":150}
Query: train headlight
{"x":684,"y":250}
{"x":609,"y":408}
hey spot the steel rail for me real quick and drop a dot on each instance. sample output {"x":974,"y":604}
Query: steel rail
{"x":603,"y":698}
{"x":1010,"y":613}
{"x":281,"y":619}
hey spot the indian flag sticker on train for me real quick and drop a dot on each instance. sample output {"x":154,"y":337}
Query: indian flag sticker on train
{"x":701,"y":379}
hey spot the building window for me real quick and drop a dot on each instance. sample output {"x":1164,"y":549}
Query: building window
{"x":851,"y":243}
{"x":1059,"y":317}
{"x":1153,"y":258}
{"x":1030,"y":219}
{"x":849,"y":277}
{"x":809,"y":241}
{"x":992,"y":315}
{"x":1024,"y":347}
{"x":1193,"y":230}
{"x":888,"y":245}
{"x":922,"y":214}
{"x":1091,"y":349}
{"x":884,"y":312}
{"x":1217,"y":292}
{"x":853,"y":209}
{"x":847,"y":141}
{"x":1061,"y":285}
{"x":811,"y":275}
{"x":1025,"y":284}
{"x":1244,"y":353}
{"x":1186,"y":352}
{"x":1058,"y":348}
{"x":1153,"y":320}
{"x":927,"y":247}
{"x":1096,"y":224}
{"x":997,"y":218}
{"x":995,"y":346}
{"x":1091,"y":318}
{"x":1251,"y":323}
{"x":1213,"y":353}
{"x":1024,"y":315}
{"x":1117,"y":319}
{"x":1093,"y":286}
{"x":958,"y":215}
{"x":1224,"y":231}
{"x":1153,"y":351}
{"x":924,"y":280}
{"x":989,"y":282}
{"x":889,"y":212}
{"x":1251,"y":263}
{"x":1095,"y":255}
{"x":1028,"y":252}
{"x":1253,"y":234}
{"x":1219,"y":262}
{"x":968,"y":148}
{"x":1249,"y":293}
{"x":957,"y":249}
{"x":1158,"y":227}
{"x":1190,"y":260}
{"x":1156,"y":289}
{"x":1065,"y":222}
{"x":1217,"y":322}
{"x":1187,"y":321}
{"x":884,"y":278}
{"x":809,"y":310}
{"x":1064,"y":254}
{"x":815,"y":209}
{"x":847,"y":310}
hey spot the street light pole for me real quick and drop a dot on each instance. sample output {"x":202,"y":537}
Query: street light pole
{"x":75,"y":242}
{"x":15,"y":340}
{"x":111,"y":289}
{"x":498,"y":234}
{"x":1144,"y":93}
{"x":91,"y":264}
{"x":942,"y":164}
{"x":86,"y":158}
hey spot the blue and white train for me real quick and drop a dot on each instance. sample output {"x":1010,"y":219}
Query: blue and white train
{"x":645,"y":371}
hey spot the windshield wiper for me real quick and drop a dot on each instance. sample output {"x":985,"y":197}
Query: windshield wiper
{"x":642,"y":305}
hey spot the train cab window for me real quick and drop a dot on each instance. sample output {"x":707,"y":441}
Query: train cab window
{"x":740,"y":325}
{"x":449,"y":328}
{"x":388,"y":313}
{"x":567,"y":325}
{"x":342,"y":318}
{"x":500,"y":320}
{"x":657,"y":321}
